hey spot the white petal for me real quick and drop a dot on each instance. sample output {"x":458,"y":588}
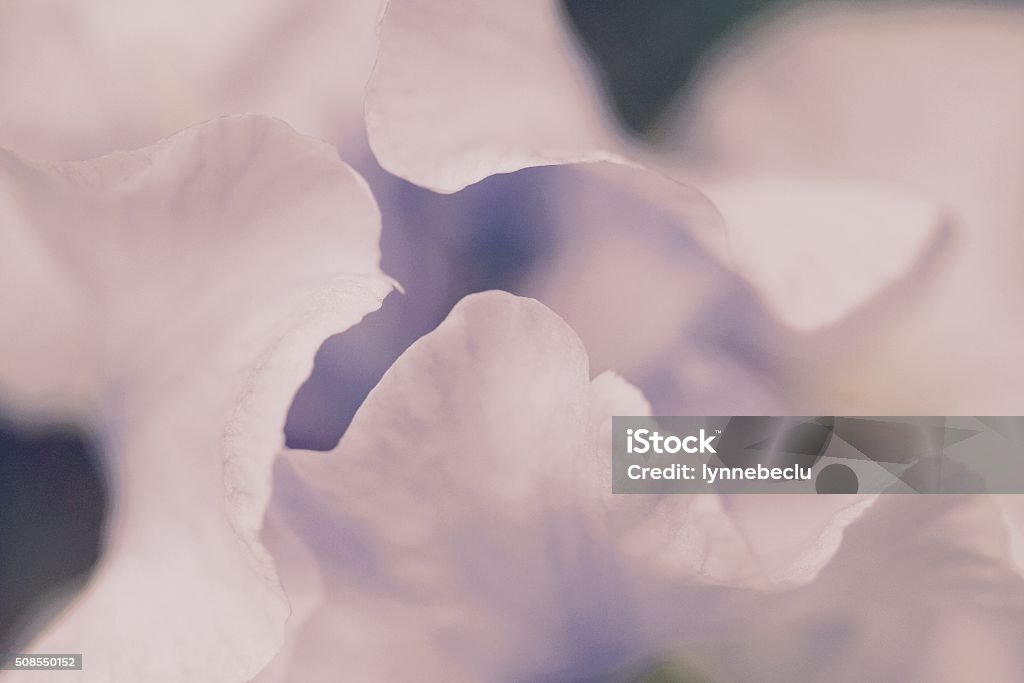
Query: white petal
{"x":816,"y":251}
{"x":465,"y":90}
{"x":118,"y":74}
{"x":209,"y":267}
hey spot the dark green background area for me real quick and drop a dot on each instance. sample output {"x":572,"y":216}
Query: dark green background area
{"x":52,"y":506}
{"x":647,"y":50}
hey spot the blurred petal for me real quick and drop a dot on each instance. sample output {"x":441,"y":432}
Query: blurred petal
{"x":206,"y":271}
{"x":922,"y":99}
{"x":792,"y":537}
{"x":817,"y":251}
{"x":922,"y":589}
{"x":461,"y":91}
{"x":1012,"y":507}
{"x":633,"y":255}
{"x":91,"y":79}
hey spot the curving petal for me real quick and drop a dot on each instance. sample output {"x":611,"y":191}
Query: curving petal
{"x":300,"y":576}
{"x":455,"y":497}
{"x":808,"y":249}
{"x":466,"y":519}
{"x":446,"y":492}
{"x":811,"y":248}
{"x":207,"y":269}
{"x":461,"y":91}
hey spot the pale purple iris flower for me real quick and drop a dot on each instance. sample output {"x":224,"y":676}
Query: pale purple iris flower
{"x":787,"y":253}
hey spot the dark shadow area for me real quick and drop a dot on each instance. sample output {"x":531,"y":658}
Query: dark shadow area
{"x":441,"y":248}
{"x":648,"y":50}
{"x":53,"y":502}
